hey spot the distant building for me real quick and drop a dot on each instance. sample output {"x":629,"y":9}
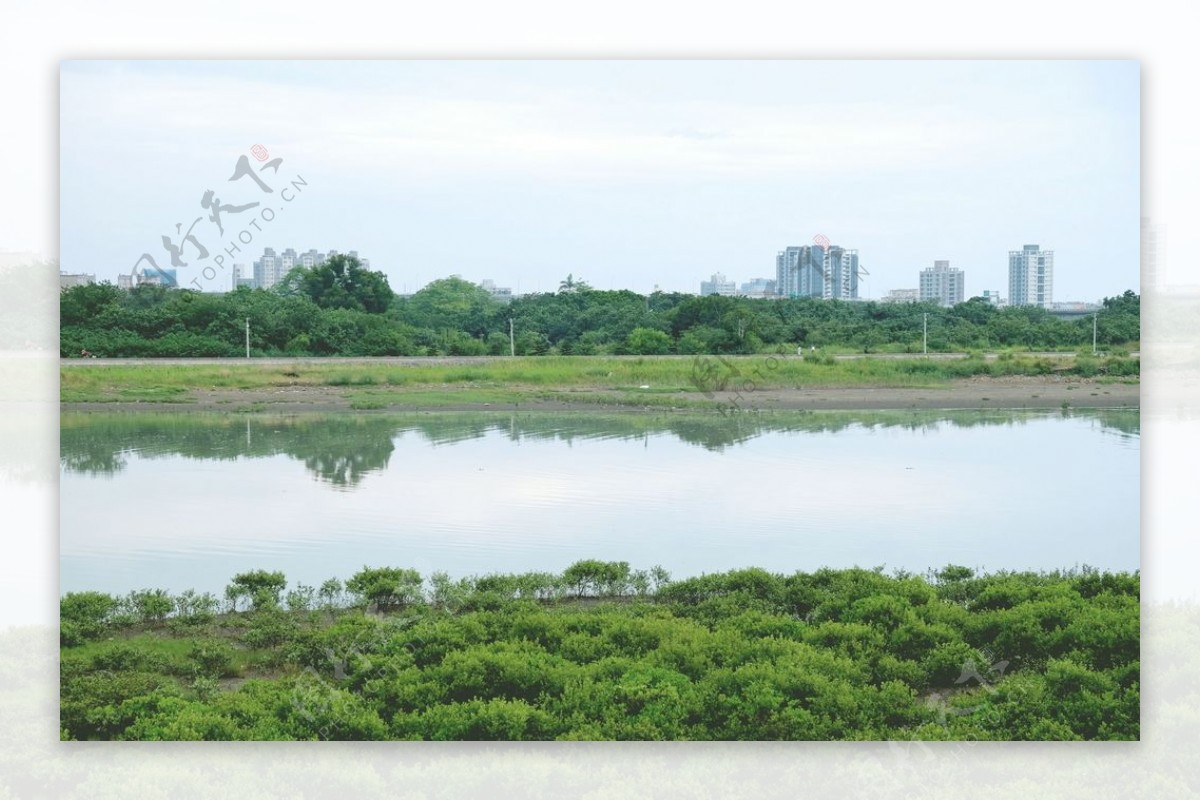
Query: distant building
{"x":799,"y":272}
{"x":812,"y":271}
{"x":992,"y":297}
{"x":942,"y":284}
{"x":272,"y":267}
{"x":841,"y":274}
{"x":1073,"y":310}
{"x":759,"y":288}
{"x":718,"y":285}
{"x":268,"y":269}
{"x":157,"y":276}
{"x":242,"y":277}
{"x":1031,"y":277}
{"x":900,"y":296}
{"x":501,"y":293}
{"x":148,"y":276}
{"x":68,"y":280}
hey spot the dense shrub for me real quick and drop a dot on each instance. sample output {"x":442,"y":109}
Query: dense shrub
{"x":745,"y":654}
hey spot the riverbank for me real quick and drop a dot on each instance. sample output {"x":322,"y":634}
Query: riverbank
{"x":750,"y":383}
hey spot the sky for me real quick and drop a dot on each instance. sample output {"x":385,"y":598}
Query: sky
{"x":627,"y":174}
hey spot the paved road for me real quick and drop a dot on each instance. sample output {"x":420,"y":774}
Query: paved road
{"x":404,"y":361}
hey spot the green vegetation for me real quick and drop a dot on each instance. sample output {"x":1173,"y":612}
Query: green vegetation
{"x":511,"y":380}
{"x":338,"y":308}
{"x":605,"y":652}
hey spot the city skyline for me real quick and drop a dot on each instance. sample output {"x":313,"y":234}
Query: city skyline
{"x":627,"y":174}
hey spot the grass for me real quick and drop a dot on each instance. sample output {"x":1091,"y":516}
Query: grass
{"x":507,"y":380}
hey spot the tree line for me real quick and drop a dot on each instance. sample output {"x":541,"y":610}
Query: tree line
{"x":340,"y":309}
{"x":601,"y":651}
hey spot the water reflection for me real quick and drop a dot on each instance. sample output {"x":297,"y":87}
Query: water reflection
{"x":341,"y":450}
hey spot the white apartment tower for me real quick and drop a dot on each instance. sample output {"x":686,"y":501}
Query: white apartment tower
{"x":1031,"y":277}
{"x":812,"y":271}
{"x":942,"y":284}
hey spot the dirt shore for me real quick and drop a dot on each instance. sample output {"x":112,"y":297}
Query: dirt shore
{"x":983,"y":392}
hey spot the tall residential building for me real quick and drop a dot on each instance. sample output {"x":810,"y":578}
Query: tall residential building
{"x":268,"y":269}
{"x":718,"y":285}
{"x":841,"y":274}
{"x":799,"y":271}
{"x":1031,"y":277}
{"x":812,"y":271}
{"x":941,"y":283}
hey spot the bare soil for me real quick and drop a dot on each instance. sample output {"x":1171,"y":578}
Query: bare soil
{"x":986,"y":392}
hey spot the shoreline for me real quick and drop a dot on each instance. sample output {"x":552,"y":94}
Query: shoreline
{"x":979,"y":392}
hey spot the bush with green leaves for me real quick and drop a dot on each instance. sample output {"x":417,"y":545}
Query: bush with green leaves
{"x":386,"y":587}
{"x":601,"y":651}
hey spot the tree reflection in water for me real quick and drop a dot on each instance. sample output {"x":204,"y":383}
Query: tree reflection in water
{"x":342,"y":449}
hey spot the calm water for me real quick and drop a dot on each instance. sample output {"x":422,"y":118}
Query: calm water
{"x":188,"y":500}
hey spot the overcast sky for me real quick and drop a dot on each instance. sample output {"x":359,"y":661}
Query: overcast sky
{"x":625,"y":173}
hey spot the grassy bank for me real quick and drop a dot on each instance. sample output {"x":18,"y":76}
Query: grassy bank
{"x":503,"y":380}
{"x":603,"y":652}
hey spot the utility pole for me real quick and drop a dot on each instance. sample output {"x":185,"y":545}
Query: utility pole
{"x":247,"y":337}
{"x":1094,"y":316}
{"x":925,"y":334}
{"x":512,"y":343}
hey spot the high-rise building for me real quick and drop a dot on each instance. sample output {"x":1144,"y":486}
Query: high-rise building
{"x":1031,"y":277}
{"x":812,"y":271}
{"x":718,"y":285}
{"x":841,"y":274}
{"x":268,"y":269}
{"x":942,"y":284}
{"x":799,"y":271}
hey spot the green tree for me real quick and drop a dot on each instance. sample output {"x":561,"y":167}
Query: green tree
{"x":451,"y":304}
{"x":261,"y":587}
{"x":386,"y":587}
{"x":151,"y":606}
{"x":573,"y":284}
{"x":341,"y":282}
{"x":647,"y":342}
{"x":83,"y":615}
